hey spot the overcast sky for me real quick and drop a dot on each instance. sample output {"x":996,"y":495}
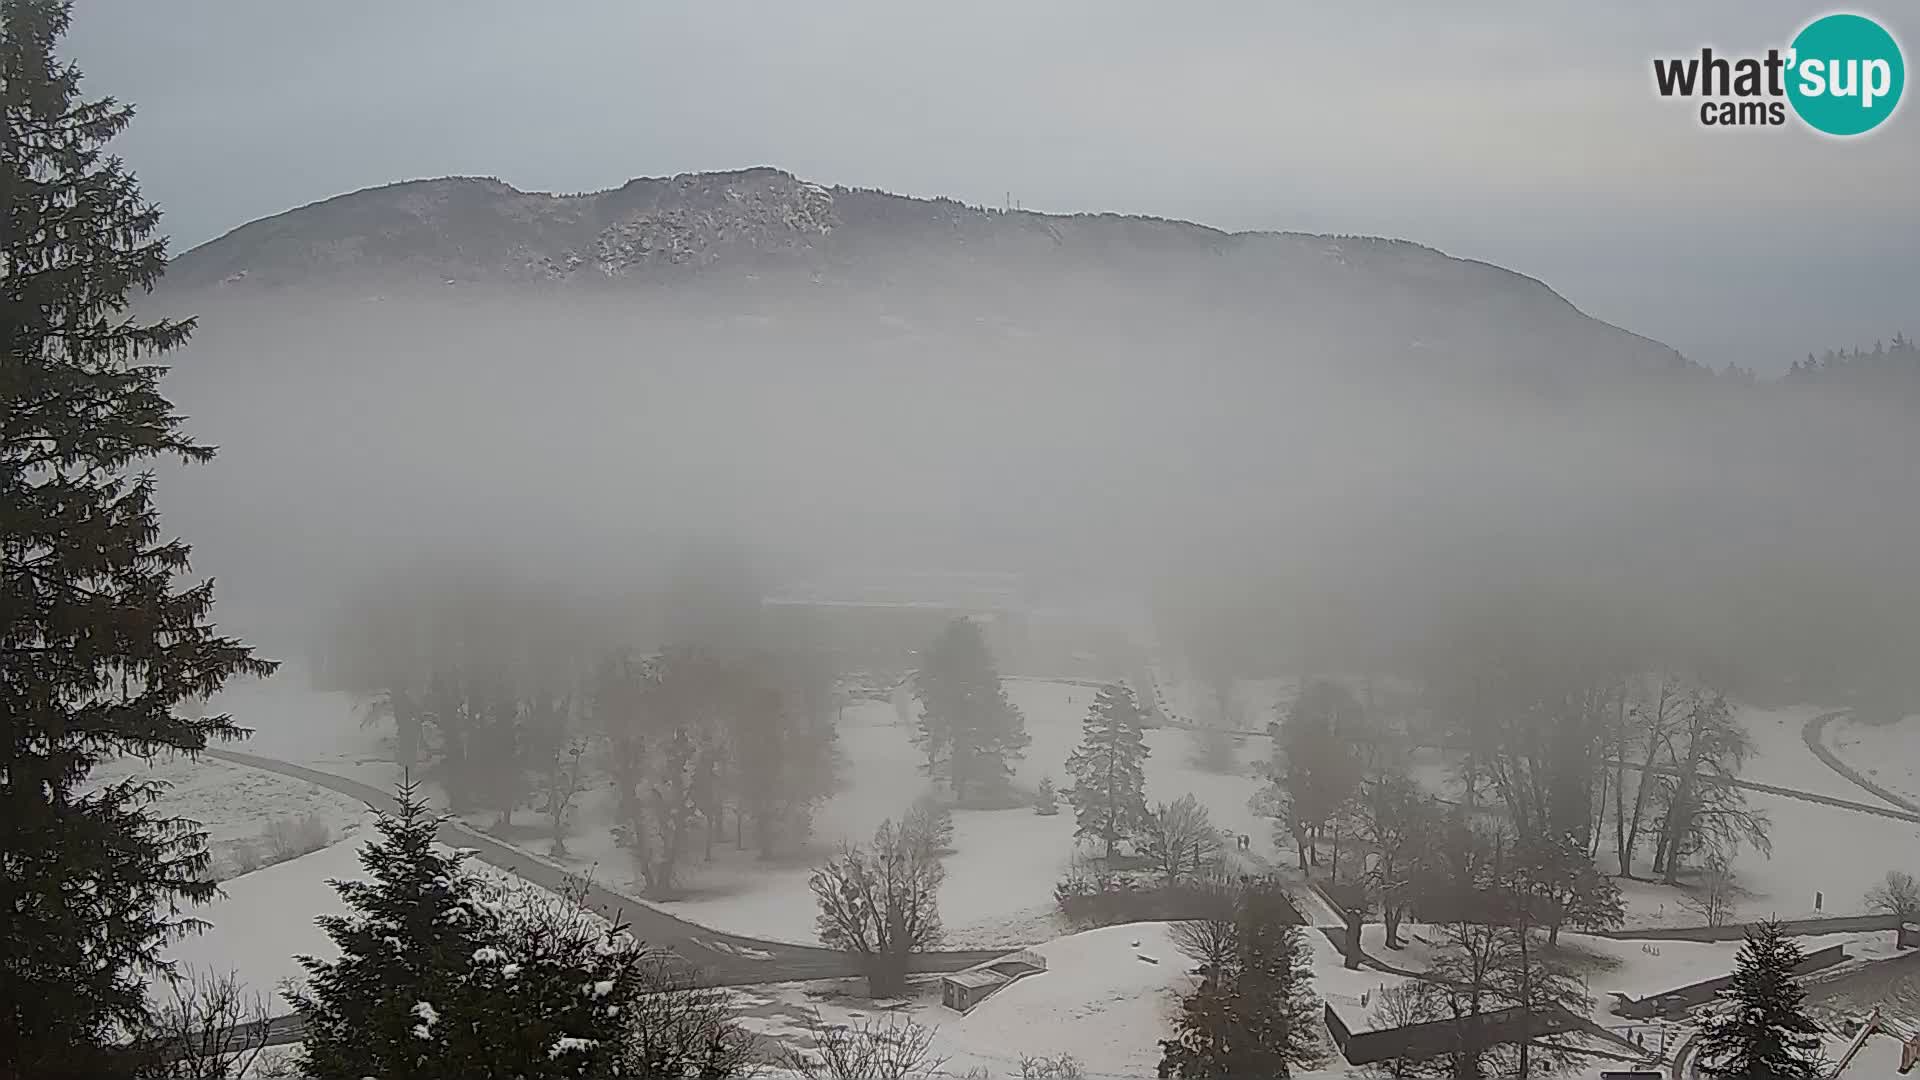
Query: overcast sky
{"x":1525,"y":134}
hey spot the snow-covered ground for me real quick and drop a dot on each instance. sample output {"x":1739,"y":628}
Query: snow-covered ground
{"x":1636,"y":969}
{"x":263,"y":919}
{"x":1781,"y":758}
{"x":1251,"y":703}
{"x":1000,"y":877}
{"x":292,"y":721}
{"x":233,"y":804}
{"x":1824,"y":858}
{"x":1820,"y":853}
{"x":1108,"y":997}
{"x":1887,"y":754}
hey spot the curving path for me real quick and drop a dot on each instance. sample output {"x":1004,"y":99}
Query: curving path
{"x":1814,"y":734}
{"x":726,"y":959}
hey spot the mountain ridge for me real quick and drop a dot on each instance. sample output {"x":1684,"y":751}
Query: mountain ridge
{"x":762,"y":220}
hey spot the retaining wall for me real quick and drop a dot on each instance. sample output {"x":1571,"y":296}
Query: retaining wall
{"x":1686,"y":997}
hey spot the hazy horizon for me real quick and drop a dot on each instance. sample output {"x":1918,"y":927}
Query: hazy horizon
{"x":1532,"y":140}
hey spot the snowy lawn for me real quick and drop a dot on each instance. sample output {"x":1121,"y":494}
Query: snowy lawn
{"x":294,"y":722}
{"x":234,"y":805}
{"x":1887,"y":754}
{"x":1817,"y":849}
{"x":1251,"y":703}
{"x":263,"y":919}
{"x":1108,"y":997}
{"x":1000,"y":876}
{"x":1781,"y":757}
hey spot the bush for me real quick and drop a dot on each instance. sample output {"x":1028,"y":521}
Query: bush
{"x":211,"y":1029}
{"x":245,"y":856}
{"x":871,"y":1048}
{"x":1093,"y":894}
{"x":1045,"y":802}
{"x":289,"y":838}
{"x":1063,"y":1067}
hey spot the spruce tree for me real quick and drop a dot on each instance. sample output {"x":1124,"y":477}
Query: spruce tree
{"x":100,"y":648}
{"x":1759,"y":1028}
{"x":1254,"y":1017}
{"x":1046,"y":802}
{"x":969,"y":729}
{"x":414,"y":928}
{"x":443,"y":973}
{"x":1109,"y":793}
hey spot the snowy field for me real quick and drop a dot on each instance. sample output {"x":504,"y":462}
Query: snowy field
{"x":1000,"y":876}
{"x":1887,"y":754}
{"x":234,"y":805}
{"x":1250,"y":705}
{"x":1102,"y":1000}
{"x":262,"y":920}
{"x":1820,"y":854}
{"x":1636,"y":969}
{"x":292,"y":721}
{"x":1001,"y":873}
{"x":1108,"y":997}
{"x":1824,"y":858}
{"x":1781,"y":758}
{"x":1005,"y":862}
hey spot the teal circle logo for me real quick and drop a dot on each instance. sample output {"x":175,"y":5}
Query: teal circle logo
{"x":1846,"y":74}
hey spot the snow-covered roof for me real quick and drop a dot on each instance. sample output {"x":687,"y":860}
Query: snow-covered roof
{"x":975,"y":978}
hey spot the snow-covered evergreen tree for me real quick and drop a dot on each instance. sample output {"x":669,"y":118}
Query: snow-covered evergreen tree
{"x":1256,"y":1017}
{"x":1109,"y":793}
{"x":444,"y":973}
{"x":1758,"y":1029}
{"x":413,"y":932}
{"x":1045,"y":802}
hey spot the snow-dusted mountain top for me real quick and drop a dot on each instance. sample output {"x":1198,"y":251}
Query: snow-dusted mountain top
{"x":764,"y":222}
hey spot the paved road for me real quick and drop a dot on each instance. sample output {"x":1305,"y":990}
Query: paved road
{"x":727,"y":959}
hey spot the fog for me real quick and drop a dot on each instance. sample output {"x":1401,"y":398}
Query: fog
{"x":1304,"y":490}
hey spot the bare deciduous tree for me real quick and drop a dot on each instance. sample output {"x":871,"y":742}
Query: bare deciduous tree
{"x":928,"y":827}
{"x":1058,"y":1067}
{"x":1213,"y":939}
{"x":1403,"y":1005}
{"x":1714,"y":899}
{"x":210,"y":1029}
{"x":892,"y":1047}
{"x":1898,"y":894}
{"x":880,"y":903}
{"x":562,"y":776}
{"x":1179,"y":840}
{"x":682,"y":1028}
